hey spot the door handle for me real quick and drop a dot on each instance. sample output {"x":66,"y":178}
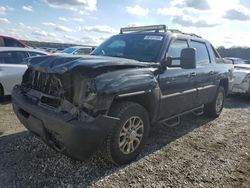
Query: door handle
{"x":193,"y":74}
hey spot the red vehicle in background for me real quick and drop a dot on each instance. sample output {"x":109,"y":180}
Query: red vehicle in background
{"x":6,"y":41}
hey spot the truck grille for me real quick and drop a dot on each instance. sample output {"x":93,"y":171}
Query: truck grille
{"x":45,"y":82}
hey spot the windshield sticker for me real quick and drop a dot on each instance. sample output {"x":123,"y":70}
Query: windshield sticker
{"x":153,"y":37}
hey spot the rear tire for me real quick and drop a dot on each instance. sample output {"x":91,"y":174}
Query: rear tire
{"x":215,"y":108}
{"x":128,"y":137}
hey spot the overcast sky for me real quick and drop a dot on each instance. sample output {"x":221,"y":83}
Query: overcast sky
{"x":223,"y":22}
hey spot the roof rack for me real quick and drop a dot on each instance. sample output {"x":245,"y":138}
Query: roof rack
{"x":155,"y":28}
{"x":178,"y":31}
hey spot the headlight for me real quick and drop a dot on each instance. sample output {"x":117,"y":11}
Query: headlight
{"x":90,"y":91}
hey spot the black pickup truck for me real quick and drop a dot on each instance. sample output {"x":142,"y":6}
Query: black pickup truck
{"x":108,"y":100}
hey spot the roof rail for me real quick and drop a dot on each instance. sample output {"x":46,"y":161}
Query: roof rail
{"x":178,"y":31}
{"x":193,"y":34}
{"x":155,"y":28}
{"x":175,"y":31}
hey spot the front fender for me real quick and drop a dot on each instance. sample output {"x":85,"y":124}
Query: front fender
{"x":122,"y":83}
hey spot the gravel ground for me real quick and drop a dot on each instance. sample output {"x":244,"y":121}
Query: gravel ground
{"x":200,"y":152}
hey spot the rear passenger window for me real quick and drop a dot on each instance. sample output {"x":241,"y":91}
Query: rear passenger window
{"x":12,"y":58}
{"x":11,"y":43}
{"x":174,"y":51}
{"x":1,"y":42}
{"x":202,"y":52}
{"x":216,"y":54}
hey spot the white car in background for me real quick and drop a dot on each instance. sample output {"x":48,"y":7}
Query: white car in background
{"x":241,"y":79}
{"x":235,"y":60}
{"x":13,"y":65}
{"x":76,"y":50}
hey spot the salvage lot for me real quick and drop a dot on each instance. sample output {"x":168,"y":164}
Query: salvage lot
{"x":199,"y":152}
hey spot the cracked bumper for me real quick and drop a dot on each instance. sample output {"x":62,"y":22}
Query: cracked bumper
{"x":61,"y":131}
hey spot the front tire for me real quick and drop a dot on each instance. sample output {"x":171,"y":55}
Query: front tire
{"x":128,"y":137}
{"x":215,"y":108}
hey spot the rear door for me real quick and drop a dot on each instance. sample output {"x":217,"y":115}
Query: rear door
{"x":177,"y":85}
{"x":205,"y":73}
{"x":12,"y":68}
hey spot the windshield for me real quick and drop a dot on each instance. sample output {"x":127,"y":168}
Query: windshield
{"x":68,"y":50}
{"x":141,"y":47}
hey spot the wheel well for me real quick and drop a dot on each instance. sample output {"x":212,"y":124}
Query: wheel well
{"x":224,"y":83}
{"x":144,"y":100}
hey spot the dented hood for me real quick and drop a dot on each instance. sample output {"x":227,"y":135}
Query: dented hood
{"x":61,"y":64}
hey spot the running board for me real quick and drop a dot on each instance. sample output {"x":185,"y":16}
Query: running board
{"x":199,"y":111}
{"x":175,"y":120}
{"x":172,"y":122}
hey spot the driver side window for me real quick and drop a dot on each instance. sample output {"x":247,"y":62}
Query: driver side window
{"x":174,"y":51}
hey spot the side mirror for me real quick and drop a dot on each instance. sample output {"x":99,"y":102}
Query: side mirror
{"x":166,"y":62}
{"x":188,"y":58}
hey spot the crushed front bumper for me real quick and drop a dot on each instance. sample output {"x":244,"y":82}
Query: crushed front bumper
{"x":60,"y":130}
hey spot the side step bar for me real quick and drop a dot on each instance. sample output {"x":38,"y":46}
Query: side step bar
{"x":175,"y":120}
{"x":199,"y":111}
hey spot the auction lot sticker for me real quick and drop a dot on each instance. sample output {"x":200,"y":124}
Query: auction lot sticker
{"x":153,"y":37}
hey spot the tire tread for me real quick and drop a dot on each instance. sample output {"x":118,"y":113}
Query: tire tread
{"x":116,"y":110}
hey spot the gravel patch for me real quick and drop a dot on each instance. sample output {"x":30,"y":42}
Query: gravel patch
{"x":200,"y":152}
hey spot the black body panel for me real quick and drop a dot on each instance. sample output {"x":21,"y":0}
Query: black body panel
{"x":62,"y":131}
{"x":66,"y":99}
{"x":62,"y":64}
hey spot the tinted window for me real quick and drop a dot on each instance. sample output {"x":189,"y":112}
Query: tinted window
{"x":12,"y":43}
{"x":1,"y":41}
{"x":174,"y":51}
{"x":216,"y":54}
{"x":12,"y":57}
{"x":141,"y":47}
{"x":202,"y":53}
{"x":33,"y":54}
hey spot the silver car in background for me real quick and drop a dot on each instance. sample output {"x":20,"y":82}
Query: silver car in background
{"x":13,"y":65}
{"x":241,"y":79}
{"x":76,"y":50}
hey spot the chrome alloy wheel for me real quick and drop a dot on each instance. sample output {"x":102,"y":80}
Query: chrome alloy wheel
{"x":219,"y":101}
{"x":131,"y":135}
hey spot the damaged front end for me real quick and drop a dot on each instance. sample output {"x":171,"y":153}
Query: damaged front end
{"x":61,"y":110}
{"x":69,"y":92}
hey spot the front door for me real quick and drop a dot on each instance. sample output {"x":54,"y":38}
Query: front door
{"x":178,"y":86}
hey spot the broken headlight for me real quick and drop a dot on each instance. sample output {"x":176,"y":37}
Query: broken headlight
{"x":84,"y":94}
{"x":90,"y":92}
